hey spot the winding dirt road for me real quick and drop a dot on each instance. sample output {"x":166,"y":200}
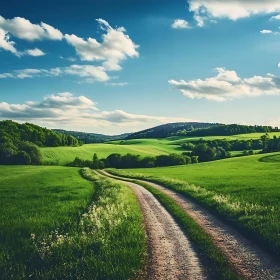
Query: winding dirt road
{"x":170,"y":254}
{"x":248,"y":259}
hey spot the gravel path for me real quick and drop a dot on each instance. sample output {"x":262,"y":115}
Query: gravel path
{"x":170,"y":254}
{"x":249,"y":260}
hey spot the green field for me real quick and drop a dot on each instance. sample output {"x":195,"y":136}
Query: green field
{"x":64,"y":155}
{"x":47,"y":230}
{"x":143,"y":147}
{"x":244,"y":190}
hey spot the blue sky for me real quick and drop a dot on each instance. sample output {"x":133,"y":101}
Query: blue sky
{"x":119,"y":66}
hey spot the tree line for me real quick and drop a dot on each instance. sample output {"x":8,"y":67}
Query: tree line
{"x":89,"y":138}
{"x":226,"y":130}
{"x":116,"y":160}
{"x":166,"y":130}
{"x":228,"y":145}
{"x":19,"y":142}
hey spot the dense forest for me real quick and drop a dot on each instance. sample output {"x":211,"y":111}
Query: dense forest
{"x":19,"y":142}
{"x":226,"y":130}
{"x":89,"y":138}
{"x":166,"y":130}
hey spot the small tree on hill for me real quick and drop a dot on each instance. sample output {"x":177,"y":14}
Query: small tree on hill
{"x":95,"y":161}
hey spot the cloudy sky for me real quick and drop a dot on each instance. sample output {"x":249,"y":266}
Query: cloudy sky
{"x":120,"y":66}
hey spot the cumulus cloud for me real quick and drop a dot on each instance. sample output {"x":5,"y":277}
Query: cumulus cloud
{"x":35,"y":52}
{"x":114,"y":48}
{"x":231,"y":9}
{"x":88,"y":72}
{"x":265,"y":31}
{"x":75,"y":112}
{"x":227,"y":85}
{"x":275,"y":17}
{"x":22,"y":28}
{"x":180,"y":24}
{"x":6,"y":44}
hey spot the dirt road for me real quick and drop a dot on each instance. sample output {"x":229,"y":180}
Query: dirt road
{"x":170,"y":254}
{"x":247,"y":258}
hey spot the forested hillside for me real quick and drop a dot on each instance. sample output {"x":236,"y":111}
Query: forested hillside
{"x":19,"y":142}
{"x":89,"y":138}
{"x":166,"y":130}
{"x":231,"y":129}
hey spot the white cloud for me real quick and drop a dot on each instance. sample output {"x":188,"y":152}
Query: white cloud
{"x":22,"y":28}
{"x":76,"y":112}
{"x":51,"y":33}
{"x":88,"y":72}
{"x":231,"y":9}
{"x":118,"y":84}
{"x":180,"y":24}
{"x":115,"y":47}
{"x":72,"y":59}
{"x":6,"y":44}
{"x":275,"y":17}
{"x":227,"y":85}
{"x":35,"y":52}
{"x":265,"y":31}
{"x":200,"y":20}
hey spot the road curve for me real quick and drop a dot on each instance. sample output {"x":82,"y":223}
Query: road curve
{"x":170,"y":254}
{"x":247,"y":258}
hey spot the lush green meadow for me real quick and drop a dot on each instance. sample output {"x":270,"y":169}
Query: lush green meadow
{"x":64,"y":155}
{"x":244,"y":190}
{"x":143,"y":147}
{"x":55,"y":224}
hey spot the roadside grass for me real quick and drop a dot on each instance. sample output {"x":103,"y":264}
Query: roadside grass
{"x":244,"y":191}
{"x":56,"y":225}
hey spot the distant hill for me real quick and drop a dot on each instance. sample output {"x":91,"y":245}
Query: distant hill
{"x":89,"y":138}
{"x":166,"y":130}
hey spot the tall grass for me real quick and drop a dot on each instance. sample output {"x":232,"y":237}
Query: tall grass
{"x":105,"y":240}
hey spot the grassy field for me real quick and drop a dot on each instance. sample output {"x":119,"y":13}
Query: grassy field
{"x":244,"y":190}
{"x":64,"y":155}
{"x":143,"y":147}
{"x":54,"y":224}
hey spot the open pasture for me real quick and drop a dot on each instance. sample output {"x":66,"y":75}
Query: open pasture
{"x":243,"y":190}
{"x":142,"y":147}
{"x":64,"y":155}
{"x":57,"y":224}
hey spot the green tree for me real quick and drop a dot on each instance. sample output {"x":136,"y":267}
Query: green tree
{"x":95,"y":161}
